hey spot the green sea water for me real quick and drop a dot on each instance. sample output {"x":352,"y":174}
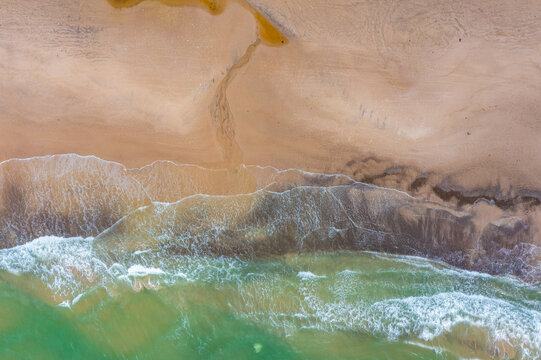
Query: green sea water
{"x":62,"y":299}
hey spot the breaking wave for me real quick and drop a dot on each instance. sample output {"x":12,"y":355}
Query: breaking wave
{"x":397,"y":298}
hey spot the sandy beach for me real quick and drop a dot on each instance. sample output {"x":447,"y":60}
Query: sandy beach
{"x":446,"y":87}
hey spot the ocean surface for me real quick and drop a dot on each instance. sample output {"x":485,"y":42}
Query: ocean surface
{"x":63,"y":298}
{"x":170,"y":261}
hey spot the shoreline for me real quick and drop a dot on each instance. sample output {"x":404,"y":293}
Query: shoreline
{"x":72,"y":195}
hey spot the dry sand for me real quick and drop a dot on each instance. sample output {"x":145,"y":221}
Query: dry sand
{"x":386,"y":91}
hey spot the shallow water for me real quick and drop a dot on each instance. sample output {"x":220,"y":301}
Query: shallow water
{"x":65,"y":298}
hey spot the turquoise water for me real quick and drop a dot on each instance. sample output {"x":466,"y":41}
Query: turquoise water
{"x":62,"y":298}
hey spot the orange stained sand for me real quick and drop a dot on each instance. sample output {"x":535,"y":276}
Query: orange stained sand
{"x":267,"y":32}
{"x":214,"y":7}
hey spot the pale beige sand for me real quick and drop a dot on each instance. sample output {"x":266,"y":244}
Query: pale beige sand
{"x":447,"y":87}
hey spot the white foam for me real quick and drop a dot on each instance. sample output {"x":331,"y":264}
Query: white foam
{"x":65,"y":303}
{"x":305,"y":275}
{"x":76,"y":299}
{"x":139,"y":252}
{"x":62,"y":264}
{"x":427,"y":317}
{"x":442,"y":268}
{"x":140,"y":270}
{"x":180,"y":274}
{"x":349,"y":272}
{"x":60,"y":156}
